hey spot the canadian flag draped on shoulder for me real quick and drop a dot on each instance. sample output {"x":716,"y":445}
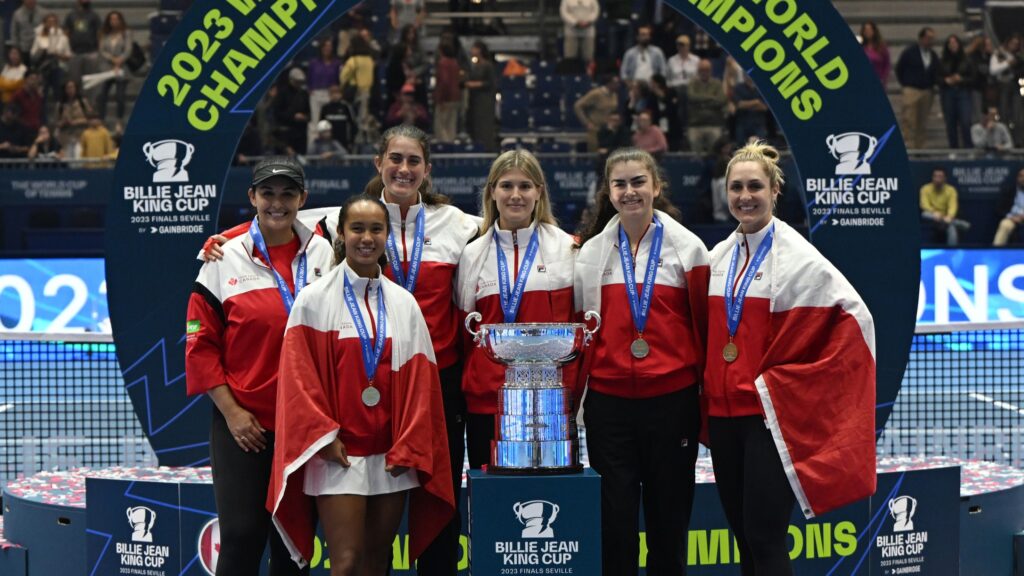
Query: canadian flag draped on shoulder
{"x":307,"y":421}
{"x":817,"y":377}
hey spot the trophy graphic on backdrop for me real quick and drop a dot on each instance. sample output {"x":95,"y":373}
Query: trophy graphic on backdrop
{"x":535,"y":430}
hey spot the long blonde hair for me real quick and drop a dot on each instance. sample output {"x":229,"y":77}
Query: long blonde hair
{"x":528,"y":163}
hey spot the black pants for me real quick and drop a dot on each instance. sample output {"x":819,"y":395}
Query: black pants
{"x":240,"y":482}
{"x":479,"y":433}
{"x":755,"y":493}
{"x":645,"y":450}
{"x":441,"y":558}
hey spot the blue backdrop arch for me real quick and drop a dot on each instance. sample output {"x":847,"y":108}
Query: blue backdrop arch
{"x":224,"y":55}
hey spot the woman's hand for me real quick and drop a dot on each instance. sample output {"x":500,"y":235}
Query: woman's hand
{"x":212,"y":251}
{"x":396,"y":470}
{"x":246,"y":430}
{"x":335,"y":452}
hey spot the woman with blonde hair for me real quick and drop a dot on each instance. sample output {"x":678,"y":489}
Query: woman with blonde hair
{"x":643,"y":369}
{"x":790,"y":379}
{"x":520,"y":269}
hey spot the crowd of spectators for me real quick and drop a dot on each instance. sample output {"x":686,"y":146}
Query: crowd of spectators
{"x":57,"y":81}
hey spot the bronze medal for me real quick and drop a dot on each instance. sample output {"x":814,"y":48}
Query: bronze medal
{"x":371,"y":396}
{"x":730,"y":352}
{"x":639,"y":348}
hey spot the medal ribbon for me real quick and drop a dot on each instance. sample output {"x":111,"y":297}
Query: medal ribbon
{"x":300,"y":277}
{"x":510,"y":302}
{"x":395,"y":261}
{"x":372,"y":350}
{"x":640,"y":306}
{"x":734,"y":305}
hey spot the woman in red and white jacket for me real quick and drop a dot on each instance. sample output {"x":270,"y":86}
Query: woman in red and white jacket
{"x":519,"y":270}
{"x":790,"y":378}
{"x":427,"y":237}
{"x":360,"y":418}
{"x":642,"y":370}
{"x":236,"y":322}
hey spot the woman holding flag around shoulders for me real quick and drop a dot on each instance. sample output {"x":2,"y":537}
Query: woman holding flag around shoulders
{"x":360,"y":417}
{"x":519,"y":270}
{"x":236,"y":320}
{"x":790,"y":378}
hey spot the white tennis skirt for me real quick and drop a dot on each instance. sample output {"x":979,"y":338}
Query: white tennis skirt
{"x":366,"y":477}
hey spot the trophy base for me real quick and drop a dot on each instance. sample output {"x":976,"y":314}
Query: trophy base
{"x":506,"y":471}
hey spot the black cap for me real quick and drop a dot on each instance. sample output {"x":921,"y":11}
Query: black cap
{"x":286,"y":167}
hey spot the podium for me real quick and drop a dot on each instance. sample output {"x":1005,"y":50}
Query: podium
{"x":534,"y":524}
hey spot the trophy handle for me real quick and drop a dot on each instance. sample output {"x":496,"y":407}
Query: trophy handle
{"x":588,"y":334}
{"x":477,"y":317}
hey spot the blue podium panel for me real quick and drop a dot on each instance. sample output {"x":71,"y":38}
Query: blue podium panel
{"x":133,"y":527}
{"x":534,"y":524}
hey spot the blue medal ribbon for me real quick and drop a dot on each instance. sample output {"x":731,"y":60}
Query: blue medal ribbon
{"x":510,"y":302}
{"x":372,"y":349}
{"x":734,"y":305}
{"x":395,"y":260}
{"x":300,"y":277}
{"x":640,"y":305}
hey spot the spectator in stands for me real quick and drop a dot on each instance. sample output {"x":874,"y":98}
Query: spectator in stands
{"x":406,"y":110}
{"x":45,"y":146}
{"x":357,"y":77}
{"x":23,"y":25}
{"x":578,"y":19}
{"x":649,"y":137}
{"x":447,"y":91}
{"x":1006,"y":69}
{"x":349,"y":25}
{"x":716,"y":165}
{"x":664,"y":108}
{"x":482,"y":86}
{"x":14,"y":139}
{"x":324,"y":72}
{"x":50,"y":54}
{"x":82,"y":25}
{"x":751,"y":112}
{"x":406,"y":65}
{"x":96,"y":141}
{"x":975,"y":51}
{"x":939,"y":206}
{"x":342,"y":117}
{"x":1011,"y":209}
{"x":705,"y":109}
{"x":291,"y":112}
{"x":325,"y":148}
{"x":643,"y":60}
{"x":28,"y":103}
{"x":406,"y":13}
{"x":594,"y":107}
{"x":958,"y":77}
{"x":991,"y":134}
{"x":876,"y":50}
{"x":73,"y":114}
{"x":682,"y":67}
{"x":918,"y":72}
{"x":612,"y":136}
{"x":12,"y":75}
{"x":115,"y":46}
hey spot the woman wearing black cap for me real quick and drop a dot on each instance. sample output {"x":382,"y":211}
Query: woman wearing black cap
{"x":236,"y":321}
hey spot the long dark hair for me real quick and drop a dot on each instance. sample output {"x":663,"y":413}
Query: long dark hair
{"x":339,"y":240}
{"x":603,"y":209}
{"x":375,"y":186}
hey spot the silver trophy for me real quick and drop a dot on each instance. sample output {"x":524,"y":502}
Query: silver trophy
{"x":535,"y":430}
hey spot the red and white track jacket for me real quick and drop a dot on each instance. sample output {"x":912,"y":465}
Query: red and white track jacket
{"x":322,"y":378}
{"x":677,"y":323}
{"x":236,"y":322}
{"x":807,"y":357}
{"x":547,"y":297}
{"x":448,"y":231}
